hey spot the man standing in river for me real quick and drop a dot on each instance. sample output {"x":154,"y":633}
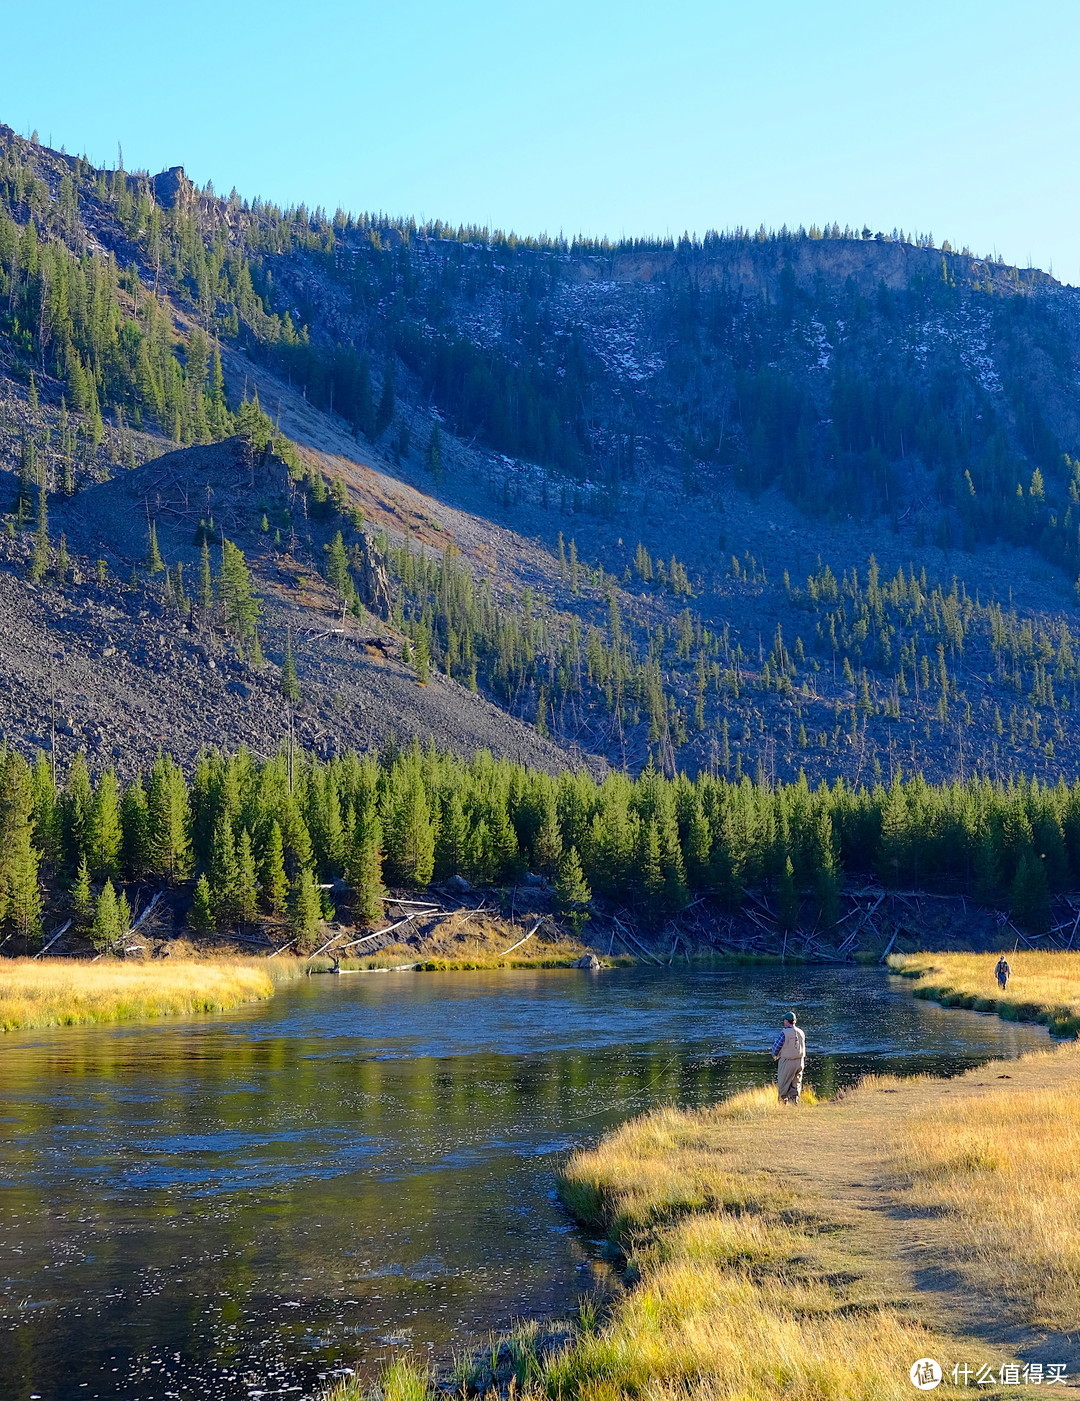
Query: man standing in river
{"x":789,"y":1052}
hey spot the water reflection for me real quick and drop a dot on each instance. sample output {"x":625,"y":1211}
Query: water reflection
{"x":236,"y":1205}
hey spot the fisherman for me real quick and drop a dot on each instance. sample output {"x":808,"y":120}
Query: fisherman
{"x":789,"y":1052}
{"x":1002,"y":972}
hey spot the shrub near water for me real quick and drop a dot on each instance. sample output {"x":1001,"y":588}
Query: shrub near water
{"x":1044,"y":987}
{"x":63,"y":992}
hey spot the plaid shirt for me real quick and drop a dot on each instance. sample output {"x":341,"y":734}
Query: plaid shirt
{"x":777,"y":1046}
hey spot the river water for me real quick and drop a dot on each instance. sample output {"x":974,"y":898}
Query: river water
{"x":239,"y":1206}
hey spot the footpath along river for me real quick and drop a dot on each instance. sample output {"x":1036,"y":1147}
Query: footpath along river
{"x":235,"y":1206}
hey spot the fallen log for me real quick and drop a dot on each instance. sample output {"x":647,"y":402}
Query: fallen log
{"x":59,"y":934}
{"x":519,"y":943}
{"x":641,"y":947}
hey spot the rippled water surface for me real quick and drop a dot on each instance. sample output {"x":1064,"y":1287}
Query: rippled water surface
{"x":236,"y":1206}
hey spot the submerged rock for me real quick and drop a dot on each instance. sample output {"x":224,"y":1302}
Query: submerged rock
{"x":589,"y":961}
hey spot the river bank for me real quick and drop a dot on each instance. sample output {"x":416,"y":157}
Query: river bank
{"x":36,"y":993}
{"x":181,"y":977}
{"x":1044,"y":985}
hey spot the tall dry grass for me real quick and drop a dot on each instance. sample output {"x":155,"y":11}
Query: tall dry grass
{"x":1005,"y":1170}
{"x":64,"y":992}
{"x":1044,"y":987}
{"x":738,"y":1295}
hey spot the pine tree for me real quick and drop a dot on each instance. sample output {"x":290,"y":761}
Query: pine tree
{"x":572,"y":890}
{"x":450,"y":851}
{"x":104,"y":833}
{"x":337,"y":568}
{"x":275,"y":883}
{"x":547,"y":846}
{"x":206,"y":585}
{"x":42,"y":556}
{"x":787,"y":897}
{"x":650,"y":872}
{"x":75,"y":805}
{"x":82,"y":899}
{"x":111,"y":919}
{"x":410,"y":834}
{"x":46,"y":819}
{"x":423,"y":657}
{"x":154,"y":563}
{"x":236,"y":592}
{"x":305,"y":905}
{"x":224,"y":873}
{"x":168,"y":842}
{"x":201,"y":913}
{"x":247,"y":880}
{"x":1030,"y":895}
{"x":135,"y":824}
{"x":363,"y":871}
{"x":62,"y":567}
{"x":20,"y":884}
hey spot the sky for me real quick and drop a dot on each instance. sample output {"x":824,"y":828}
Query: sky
{"x":952,"y":118}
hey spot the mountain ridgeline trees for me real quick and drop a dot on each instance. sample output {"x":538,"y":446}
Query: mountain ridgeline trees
{"x":279,"y":839}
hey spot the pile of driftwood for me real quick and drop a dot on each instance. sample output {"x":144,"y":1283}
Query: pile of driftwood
{"x":871,"y":917}
{"x":756,"y":928}
{"x":444,"y":904}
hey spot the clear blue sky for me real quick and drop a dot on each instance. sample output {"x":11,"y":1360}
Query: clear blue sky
{"x":951,"y":117}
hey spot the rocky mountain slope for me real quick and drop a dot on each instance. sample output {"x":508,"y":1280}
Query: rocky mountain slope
{"x":766,"y":503}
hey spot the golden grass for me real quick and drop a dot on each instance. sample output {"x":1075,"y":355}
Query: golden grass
{"x":1005,"y":1169}
{"x":742,"y":1292}
{"x":1044,"y":987}
{"x":65,"y":992}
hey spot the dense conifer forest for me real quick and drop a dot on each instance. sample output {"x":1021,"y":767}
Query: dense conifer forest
{"x":292,"y":841}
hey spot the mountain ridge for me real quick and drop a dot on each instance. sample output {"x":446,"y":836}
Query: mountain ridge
{"x":601,"y":481}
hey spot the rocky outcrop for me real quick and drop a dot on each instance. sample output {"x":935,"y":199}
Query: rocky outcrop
{"x":172,"y":188}
{"x":373,"y":581}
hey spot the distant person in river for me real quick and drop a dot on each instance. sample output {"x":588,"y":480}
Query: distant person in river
{"x":1002,"y":972}
{"x":789,"y":1052}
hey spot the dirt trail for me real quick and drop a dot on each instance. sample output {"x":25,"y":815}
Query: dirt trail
{"x":831,"y":1156}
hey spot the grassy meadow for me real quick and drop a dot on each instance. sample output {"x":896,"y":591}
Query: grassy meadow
{"x":1044,"y":987}
{"x":1004,"y":1171}
{"x":65,"y":992}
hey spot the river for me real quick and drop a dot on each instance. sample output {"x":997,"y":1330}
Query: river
{"x":237,"y":1206}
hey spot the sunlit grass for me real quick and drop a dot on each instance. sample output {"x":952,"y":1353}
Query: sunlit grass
{"x":1044,"y":987}
{"x":1005,"y":1168}
{"x":735,"y":1298}
{"x":67,"y":992}
{"x":403,"y":1380}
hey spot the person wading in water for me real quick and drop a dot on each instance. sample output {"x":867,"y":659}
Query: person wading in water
{"x":1002,"y":972}
{"x":789,"y":1052}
